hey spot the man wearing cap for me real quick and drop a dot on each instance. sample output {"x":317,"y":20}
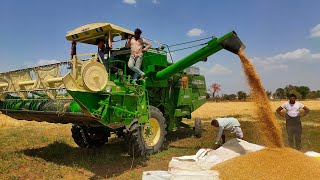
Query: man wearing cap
{"x":136,"y":43}
{"x":229,"y":124}
{"x":293,"y":122}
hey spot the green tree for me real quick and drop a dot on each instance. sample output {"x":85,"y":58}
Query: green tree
{"x":233,"y":97}
{"x":269,"y":93}
{"x":293,"y":91}
{"x":208,"y":96}
{"x":279,"y":94}
{"x":230,"y":97}
{"x":313,"y":94}
{"x":304,"y":91}
{"x":289,"y":88}
{"x":242,"y":95}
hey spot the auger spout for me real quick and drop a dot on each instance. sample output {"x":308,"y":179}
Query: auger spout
{"x":229,"y":41}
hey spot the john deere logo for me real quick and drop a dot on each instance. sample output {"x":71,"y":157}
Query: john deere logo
{"x":201,"y":97}
{"x":197,"y":82}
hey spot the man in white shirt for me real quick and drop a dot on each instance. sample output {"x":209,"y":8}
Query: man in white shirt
{"x":136,"y":44}
{"x":230,"y":124}
{"x":293,"y":122}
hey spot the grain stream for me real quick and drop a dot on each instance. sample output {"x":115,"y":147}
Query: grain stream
{"x":268,"y":127}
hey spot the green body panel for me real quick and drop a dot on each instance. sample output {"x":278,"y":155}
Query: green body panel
{"x":155,"y":58}
{"x":182,"y":112}
{"x":197,"y":82}
{"x":125,"y":102}
{"x":117,"y":107}
{"x":74,"y":107}
{"x":192,"y":97}
{"x":152,"y":63}
{"x":184,"y":96}
{"x":199,"y":91}
{"x":87,"y":100}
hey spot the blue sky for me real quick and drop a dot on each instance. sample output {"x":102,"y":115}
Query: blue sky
{"x":282,"y":37}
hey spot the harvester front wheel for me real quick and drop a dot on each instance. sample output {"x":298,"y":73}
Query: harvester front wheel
{"x":88,"y":137}
{"x":150,"y":137}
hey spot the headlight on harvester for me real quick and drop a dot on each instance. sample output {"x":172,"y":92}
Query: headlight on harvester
{"x":108,"y":88}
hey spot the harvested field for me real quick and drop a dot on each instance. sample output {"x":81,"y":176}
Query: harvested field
{"x":243,"y":110}
{"x":6,"y":121}
{"x":33,"y":150}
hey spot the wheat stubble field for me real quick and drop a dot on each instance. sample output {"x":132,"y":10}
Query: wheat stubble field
{"x":242,"y":109}
{"x":32,"y":150}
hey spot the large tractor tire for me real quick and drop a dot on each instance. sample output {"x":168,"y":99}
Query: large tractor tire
{"x":148,"y":138}
{"x":89,"y":137}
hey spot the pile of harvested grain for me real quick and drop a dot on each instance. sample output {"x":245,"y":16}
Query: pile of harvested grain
{"x":276,"y":163}
{"x":268,"y":126}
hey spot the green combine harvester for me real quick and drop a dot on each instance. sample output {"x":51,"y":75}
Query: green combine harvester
{"x":99,"y":101}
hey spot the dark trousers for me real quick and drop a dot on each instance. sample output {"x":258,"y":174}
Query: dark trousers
{"x":294,"y":130}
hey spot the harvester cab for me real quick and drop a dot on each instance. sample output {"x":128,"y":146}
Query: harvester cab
{"x":102,"y":35}
{"x":97,"y":96}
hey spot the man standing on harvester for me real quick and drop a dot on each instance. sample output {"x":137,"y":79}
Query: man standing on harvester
{"x":230,"y":124}
{"x":293,"y":122}
{"x":136,"y":43}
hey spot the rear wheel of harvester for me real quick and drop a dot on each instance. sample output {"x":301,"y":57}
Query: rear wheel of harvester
{"x":150,"y":137}
{"x":88,"y":137}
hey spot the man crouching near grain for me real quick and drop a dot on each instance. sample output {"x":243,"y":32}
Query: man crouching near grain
{"x":293,"y":122}
{"x":229,"y":124}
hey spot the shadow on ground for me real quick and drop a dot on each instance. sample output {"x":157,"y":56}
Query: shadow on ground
{"x":110,"y":160}
{"x":181,"y":133}
{"x":184,"y":138}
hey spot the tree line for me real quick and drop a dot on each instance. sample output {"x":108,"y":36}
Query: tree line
{"x":302,"y":92}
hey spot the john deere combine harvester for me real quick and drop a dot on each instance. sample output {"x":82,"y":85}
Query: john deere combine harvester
{"x":99,"y":100}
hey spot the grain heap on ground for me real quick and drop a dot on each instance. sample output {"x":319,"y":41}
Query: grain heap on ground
{"x":270,"y":163}
{"x":268,"y":126}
